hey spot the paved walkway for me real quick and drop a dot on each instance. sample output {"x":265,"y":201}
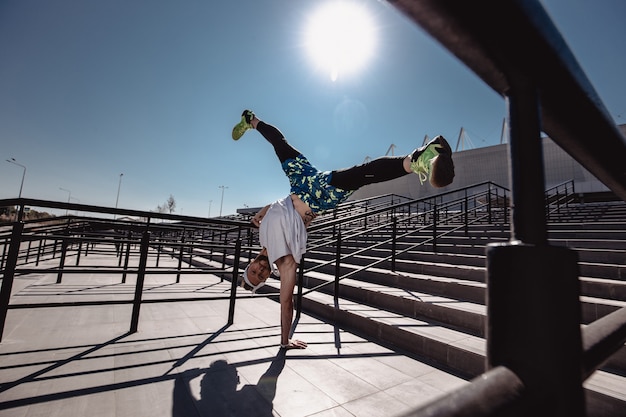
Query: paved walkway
{"x":185,"y":361}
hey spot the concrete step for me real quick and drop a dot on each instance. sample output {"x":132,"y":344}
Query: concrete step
{"x":598,"y":280}
{"x":599,"y":297}
{"x":457,"y":352}
{"x":463,"y":315}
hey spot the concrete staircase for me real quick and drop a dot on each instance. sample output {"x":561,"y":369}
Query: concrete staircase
{"x":433,"y":305}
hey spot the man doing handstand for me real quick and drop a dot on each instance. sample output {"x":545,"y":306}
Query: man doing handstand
{"x":283,"y":223}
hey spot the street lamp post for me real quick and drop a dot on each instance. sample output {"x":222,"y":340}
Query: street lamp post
{"x":69,"y":196}
{"x":13,"y":161}
{"x":210,"y":201}
{"x":78,"y":201}
{"x":119,"y":185}
{"x":222,"y":203}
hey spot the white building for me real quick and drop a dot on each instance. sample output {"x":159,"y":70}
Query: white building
{"x":492,"y":164}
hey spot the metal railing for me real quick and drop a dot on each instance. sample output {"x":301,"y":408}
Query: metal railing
{"x":403,"y":226}
{"x":515,"y":48}
{"x":559,"y":198}
{"x":214,"y":246}
{"x":25,"y":244}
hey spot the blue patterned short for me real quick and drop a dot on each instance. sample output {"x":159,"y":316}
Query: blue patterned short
{"x":312,"y":186}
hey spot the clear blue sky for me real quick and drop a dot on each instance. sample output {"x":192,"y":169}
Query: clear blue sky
{"x":90,"y":89}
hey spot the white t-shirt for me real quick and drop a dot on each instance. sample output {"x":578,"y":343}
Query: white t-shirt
{"x":282,"y":232}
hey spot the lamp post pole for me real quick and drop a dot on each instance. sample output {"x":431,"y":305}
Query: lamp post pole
{"x":210,"y":201}
{"x":117,"y":199}
{"x":78,"y":201}
{"x":69,"y":196}
{"x":222,"y":203}
{"x":13,"y":161}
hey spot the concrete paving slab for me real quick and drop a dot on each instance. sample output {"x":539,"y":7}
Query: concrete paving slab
{"x":185,"y":360}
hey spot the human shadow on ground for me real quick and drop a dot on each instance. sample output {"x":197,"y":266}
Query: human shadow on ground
{"x":219,"y":395}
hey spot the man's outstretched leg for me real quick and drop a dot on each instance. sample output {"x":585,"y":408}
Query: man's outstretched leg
{"x":432,"y":161}
{"x":274,"y":136}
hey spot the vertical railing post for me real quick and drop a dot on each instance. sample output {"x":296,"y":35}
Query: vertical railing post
{"x":87,"y":244}
{"x":80,"y":248}
{"x":224,"y":249}
{"x":365,"y":218}
{"x":126,"y":256}
{"x":159,"y":247}
{"x":141,"y":274}
{"x":181,"y":253}
{"x":4,"y":253}
{"x":191,"y":248}
{"x":40,"y":248}
{"x":490,"y":204}
{"x":213,"y":243}
{"x":435,"y":221}
{"x":533,"y":307}
{"x":119,"y":247}
{"x":394,"y":234}
{"x":9,"y":273}
{"x":20,"y":215}
{"x":507,"y":203}
{"x":466,"y":214}
{"x":30,"y":244}
{"x":64,"y":243}
{"x":54,"y":247}
{"x":337,"y":266}
{"x":233,"y":282}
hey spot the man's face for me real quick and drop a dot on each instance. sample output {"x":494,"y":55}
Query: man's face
{"x":259,"y":270}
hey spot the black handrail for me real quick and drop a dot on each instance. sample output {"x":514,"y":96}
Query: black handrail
{"x":330,"y":220}
{"x":517,"y":50}
{"x":148,"y":215}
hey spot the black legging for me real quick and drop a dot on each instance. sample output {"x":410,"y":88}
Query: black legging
{"x":377,"y":170}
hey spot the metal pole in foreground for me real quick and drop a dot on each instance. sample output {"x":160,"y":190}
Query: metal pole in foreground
{"x":533,"y":307}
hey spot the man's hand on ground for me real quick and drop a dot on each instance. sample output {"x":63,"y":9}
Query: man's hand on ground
{"x":294,"y":344}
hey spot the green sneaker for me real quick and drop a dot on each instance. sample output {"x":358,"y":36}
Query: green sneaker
{"x":244,"y":125}
{"x":421,"y":157}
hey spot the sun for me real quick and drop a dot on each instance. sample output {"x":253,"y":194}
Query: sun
{"x":340,"y":37}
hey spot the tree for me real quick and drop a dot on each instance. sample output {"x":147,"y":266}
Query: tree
{"x":170,"y":204}
{"x":168,"y":207}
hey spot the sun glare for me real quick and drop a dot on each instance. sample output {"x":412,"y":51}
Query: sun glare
{"x":340,"y":37}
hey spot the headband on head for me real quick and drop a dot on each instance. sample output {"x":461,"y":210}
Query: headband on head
{"x":249,"y":285}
